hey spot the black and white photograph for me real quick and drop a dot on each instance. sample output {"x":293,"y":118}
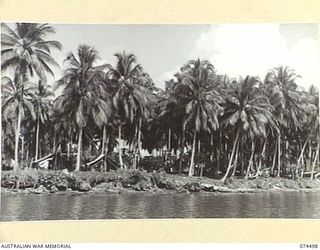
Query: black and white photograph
{"x":145,"y":121}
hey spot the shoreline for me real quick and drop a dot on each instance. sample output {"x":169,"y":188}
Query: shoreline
{"x":32,"y":181}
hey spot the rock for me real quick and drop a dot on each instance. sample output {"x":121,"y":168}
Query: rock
{"x":207,"y":187}
{"x":144,"y":185}
{"x":156,"y":178}
{"x":65,"y":171}
{"x":84,"y":186}
{"x":136,"y":177}
{"x":107,"y":187}
{"x":136,"y":187}
{"x":223,"y":189}
{"x":40,"y":190}
{"x":8,"y":183}
{"x":167,"y":184}
{"x":291,"y":184}
{"x":262,"y":184}
{"x":192,"y":187}
{"x":54,"y":189}
{"x":62,"y":186}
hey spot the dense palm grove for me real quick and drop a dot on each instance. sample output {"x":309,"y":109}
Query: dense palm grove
{"x":203,"y":123}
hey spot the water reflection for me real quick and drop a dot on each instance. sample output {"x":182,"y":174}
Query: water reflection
{"x":15,"y":207}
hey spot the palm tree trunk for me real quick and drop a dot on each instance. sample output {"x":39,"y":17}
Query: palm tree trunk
{"x":181,"y":151}
{"x":219,"y":151}
{"x":54,"y":142}
{"x":120,"y":148}
{"x":302,"y":152}
{"x":105,"y":166}
{"x":79,"y":149}
{"x":22,"y":148}
{"x":16,"y":146}
{"x":37,"y":139}
{"x":169,"y":140}
{"x":27,"y":153}
{"x":314,"y":162}
{"x":235,"y":161}
{"x":191,"y":169}
{"x":68,"y":149}
{"x":274,"y":158}
{"x":279,"y":155}
{"x":231,"y":157}
{"x":139,"y":141}
{"x":103,"y":140}
{"x":104,"y":163}
{"x":251,"y":159}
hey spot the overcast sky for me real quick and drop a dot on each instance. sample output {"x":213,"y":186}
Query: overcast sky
{"x":234,"y":49}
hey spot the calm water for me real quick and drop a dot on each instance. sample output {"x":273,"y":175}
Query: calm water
{"x":201,"y":205}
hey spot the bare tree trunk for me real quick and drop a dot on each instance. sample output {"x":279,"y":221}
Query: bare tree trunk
{"x":191,"y":169}
{"x":68,"y":149}
{"x":37,"y":139}
{"x":302,"y":152}
{"x":169,"y":140}
{"x":27,"y":153}
{"x":219,"y":151}
{"x":103,"y":140}
{"x":235,"y":161}
{"x":314,"y":162}
{"x":120,"y":148}
{"x":22,"y":148}
{"x":54,"y":141}
{"x":251,"y":159}
{"x":274,"y":158}
{"x":181,"y":152}
{"x":16,"y":146}
{"x":231,"y":157}
{"x":139,"y":141}
{"x":279,"y":154}
{"x":263,"y":153}
{"x":103,"y":147}
{"x":105,"y":165}
{"x":79,"y":149}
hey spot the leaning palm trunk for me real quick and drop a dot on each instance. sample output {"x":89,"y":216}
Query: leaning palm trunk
{"x":37,"y":139}
{"x":120,"y":149}
{"x":314,"y":162}
{"x":231,"y":157}
{"x":191,"y":169}
{"x":79,"y":149}
{"x":16,"y":146}
{"x":302,"y":153}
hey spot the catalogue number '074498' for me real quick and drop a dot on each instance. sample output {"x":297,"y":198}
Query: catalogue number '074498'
{"x":308,"y":245}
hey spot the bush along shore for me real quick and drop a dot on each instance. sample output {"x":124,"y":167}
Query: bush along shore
{"x":126,"y":181}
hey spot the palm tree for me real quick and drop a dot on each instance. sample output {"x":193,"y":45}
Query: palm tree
{"x":25,"y":50}
{"x":131,"y":97}
{"x":200,"y":99}
{"x":16,"y":99}
{"x":83,"y":90}
{"x":248,"y":111}
{"x":42,"y":104}
{"x":285,"y":98}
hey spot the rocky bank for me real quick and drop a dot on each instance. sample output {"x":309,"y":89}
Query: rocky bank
{"x":124,"y":181}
